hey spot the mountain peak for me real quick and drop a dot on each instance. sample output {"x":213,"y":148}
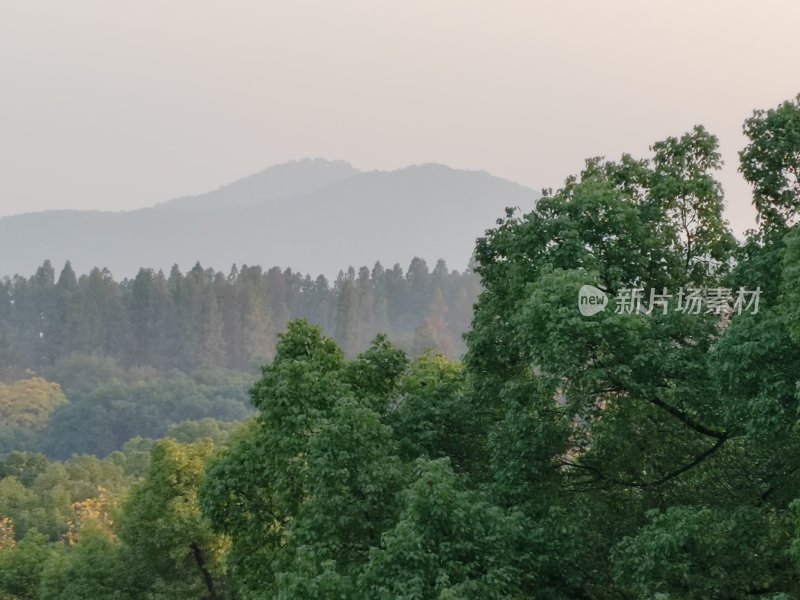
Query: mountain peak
{"x":314,"y":215}
{"x":293,"y":178}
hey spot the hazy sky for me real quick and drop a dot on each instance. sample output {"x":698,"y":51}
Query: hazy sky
{"x":121,"y":104}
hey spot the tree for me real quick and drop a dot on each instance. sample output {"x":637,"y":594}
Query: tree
{"x":64,"y":317}
{"x":104,"y":418}
{"x":21,"y":567}
{"x":430,"y":415}
{"x":94,"y":568}
{"x":150,"y":307}
{"x":309,"y":489}
{"x":102,"y":326}
{"x":433,"y":333}
{"x":771,"y":164}
{"x":29,"y":402}
{"x":255,"y":319}
{"x":449,"y":542}
{"x":255,"y":491}
{"x":347,"y":312}
{"x":678,"y":412}
{"x":168,"y":544}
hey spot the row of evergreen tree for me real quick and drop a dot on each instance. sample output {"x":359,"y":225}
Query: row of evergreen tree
{"x":205,"y":318}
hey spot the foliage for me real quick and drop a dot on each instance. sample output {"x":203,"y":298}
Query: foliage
{"x":63,"y":536}
{"x":162,"y":531}
{"x":448,"y":542}
{"x":771,"y":163}
{"x":29,"y":403}
{"x":650,"y":454}
{"x":661,"y":437}
{"x":79,"y":330}
{"x":106,"y":417}
{"x":312,"y":484}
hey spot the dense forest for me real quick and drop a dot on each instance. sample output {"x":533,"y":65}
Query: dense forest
{"x":207,"y":319}
{"x":133,"y":358}
{"x":616,"y":456}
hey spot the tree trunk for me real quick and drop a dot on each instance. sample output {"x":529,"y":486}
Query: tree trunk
{"x":201,"y":564}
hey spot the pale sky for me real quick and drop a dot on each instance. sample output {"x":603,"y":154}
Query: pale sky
{"x":121,"y":104}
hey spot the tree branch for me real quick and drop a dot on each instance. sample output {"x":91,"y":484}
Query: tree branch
{"x":644,"y":485}
{"x":687,"y":420}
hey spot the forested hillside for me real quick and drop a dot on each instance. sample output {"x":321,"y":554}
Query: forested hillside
{"x":651,"y":452}
{"x":210,"y":319}
{"x":137,"y":356}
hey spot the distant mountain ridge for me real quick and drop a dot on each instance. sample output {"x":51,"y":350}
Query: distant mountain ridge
{"x":313,"y":215}
{"x":294,"y":178}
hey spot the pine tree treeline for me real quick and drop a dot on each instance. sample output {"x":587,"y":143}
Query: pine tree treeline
{"x":207,"y":319}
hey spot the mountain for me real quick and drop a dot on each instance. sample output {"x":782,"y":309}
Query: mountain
{"x":331,"y":217}
{"x":274,"y":183}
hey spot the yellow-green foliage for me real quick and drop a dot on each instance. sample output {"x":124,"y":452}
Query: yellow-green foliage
{"x":29,"y":403}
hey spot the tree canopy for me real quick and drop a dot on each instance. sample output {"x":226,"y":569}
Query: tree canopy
{"x":645,"y":449}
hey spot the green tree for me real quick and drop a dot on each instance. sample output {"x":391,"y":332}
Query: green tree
{"x":21,"y":567}
{"x":94,"y":568}
{"x":347,"y":312}
{"x":593,"y":422}
{"x":448,"y":542}
{"x":771,"y":163}
{"x":150,"y":307}
{"x":29,"y":403}
{"x":169,"y":546}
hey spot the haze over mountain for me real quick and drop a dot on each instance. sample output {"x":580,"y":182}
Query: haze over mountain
{"x":273,"y":183}
{"x":315,"y":216}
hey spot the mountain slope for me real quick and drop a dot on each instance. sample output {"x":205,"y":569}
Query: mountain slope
{"x":280,"y":181}
{"x":431,"y":211}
